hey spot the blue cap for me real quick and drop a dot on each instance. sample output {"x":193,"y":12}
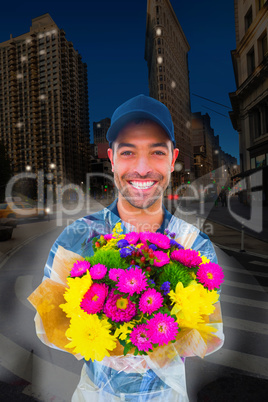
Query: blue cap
{"x":141,"y":107}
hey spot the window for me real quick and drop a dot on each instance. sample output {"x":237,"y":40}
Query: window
{"x":251,"y":61}
{"x":260,"y":160}
{"x":262,"y":47}
{"x":260,"y":4}
{"x":248,"y":19}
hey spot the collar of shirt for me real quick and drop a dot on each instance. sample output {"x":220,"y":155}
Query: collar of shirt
{"x":167,"y":215}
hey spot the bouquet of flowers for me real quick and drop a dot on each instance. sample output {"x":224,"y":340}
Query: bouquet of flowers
{"x":137,"y":292}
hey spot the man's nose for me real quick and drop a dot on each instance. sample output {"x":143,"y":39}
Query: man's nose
{"x":142,"y":166}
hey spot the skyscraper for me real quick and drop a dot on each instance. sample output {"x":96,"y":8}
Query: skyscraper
{"x":44,"y":116}
{"x":166,"y":51}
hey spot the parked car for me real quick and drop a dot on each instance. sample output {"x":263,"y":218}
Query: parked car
{"x":21,"y":209}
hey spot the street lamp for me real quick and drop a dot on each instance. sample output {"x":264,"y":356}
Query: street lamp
{"x":52,"y":166}
{"x":28,"y":168}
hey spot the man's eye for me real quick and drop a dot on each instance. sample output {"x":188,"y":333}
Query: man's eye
{"x":159,"y":153}
{"x":126,"y":153}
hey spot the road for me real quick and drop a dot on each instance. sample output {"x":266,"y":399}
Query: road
{"x":40,"y":373}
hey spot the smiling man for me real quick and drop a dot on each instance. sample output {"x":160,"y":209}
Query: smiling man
{"x":142,"y":153}
{"x":142,"y":158}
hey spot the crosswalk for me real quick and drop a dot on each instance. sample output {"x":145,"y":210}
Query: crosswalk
{"x":244,"y":304}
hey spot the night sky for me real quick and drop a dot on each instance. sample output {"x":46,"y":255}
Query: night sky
{"x":110,"y":36}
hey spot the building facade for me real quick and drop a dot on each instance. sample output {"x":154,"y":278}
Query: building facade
{"x":44,"y":114}
{"x":100,"y":129}
{"x":202,"y":136}
{"x":166,"y":50}
{"x":250,"y":100}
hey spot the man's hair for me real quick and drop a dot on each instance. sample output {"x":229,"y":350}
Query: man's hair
{"x":143,"y":122}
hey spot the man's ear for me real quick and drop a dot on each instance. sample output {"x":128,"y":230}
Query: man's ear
{"x":175,"y":155}
{"x":110,"y":156}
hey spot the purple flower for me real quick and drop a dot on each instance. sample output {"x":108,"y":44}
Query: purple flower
{"x":172,"y":235}
{"x":166,"y":231}
{"x":165,"y":287}
{"x":122,"y":243}
{"x":174,"y":243}
{"x":125,"y":252}
{"x":153,"y":247}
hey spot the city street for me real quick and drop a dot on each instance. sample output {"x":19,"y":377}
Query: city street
{"x":30,"y":370}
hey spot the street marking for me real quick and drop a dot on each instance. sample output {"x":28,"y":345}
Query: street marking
{"x":262,"y":263}
{"x":23,"y":289}
{"x":244,"y":302}
{"x":257,"y":288}
{"x":241,"y":361}
{"x":47,"y":380}
{"x":245,"y":271}
{"x":245,"y":325}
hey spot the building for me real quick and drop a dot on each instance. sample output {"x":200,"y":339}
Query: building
{"x":203,"y":140}
{"x":166,"y":50}
{"x":44,"y":114}
{"x":100,"y":129}
{"x":250,"y":100}
{"x":212,"y":164}
{"x":102,"y":184}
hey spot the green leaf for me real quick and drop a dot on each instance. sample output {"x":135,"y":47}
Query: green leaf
{"x":128,"y":347}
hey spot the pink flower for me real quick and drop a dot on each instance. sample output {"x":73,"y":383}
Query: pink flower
{"x":160,"y":240}
{"x":118,"y":308}
{"x":210,"y":275}
{"x":132,"y":237}
{"x":162,"y":328}
{"x":150,"y":301}
{"x":115,"y":273}
{"x":94,"y":298}
{"x":108,"y":237}
{"x":79,"y":268}
{"x":187,"y":257}
{"x":161,"y":258}
{"x":144,"y":236}
{"x":98,"y":271}
{"x":132,"y":281}
{"x":139,"y":338}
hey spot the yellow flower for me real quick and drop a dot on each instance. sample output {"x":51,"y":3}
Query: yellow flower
{"x":204,"y":258}
{"x":186,"y":302}
{"x":78,"y":286}
{"x":208,"y":299}
{"x":123,"y":330}
{"x":113,"y":242}
{"x":117,"y":230}
{"x":90,"y":336}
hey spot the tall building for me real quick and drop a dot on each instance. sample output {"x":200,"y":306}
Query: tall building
{"x":44,"y":115}
{"x":250,"y":100}
{"x":202,"y":135}
{"x":100,"y":129}
{"x":166,"y":52}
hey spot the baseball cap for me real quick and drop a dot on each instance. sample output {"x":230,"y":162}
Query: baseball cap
{"x":141,"y":107}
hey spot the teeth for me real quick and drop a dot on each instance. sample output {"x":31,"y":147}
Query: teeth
{"x":142,"y":184}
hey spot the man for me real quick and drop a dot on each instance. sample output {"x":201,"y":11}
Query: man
{"x":143,"y":154}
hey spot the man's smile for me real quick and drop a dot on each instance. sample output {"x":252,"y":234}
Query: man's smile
{"x":142,"y":185}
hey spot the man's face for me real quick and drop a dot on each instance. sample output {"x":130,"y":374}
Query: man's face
{"x":142,"y":161}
